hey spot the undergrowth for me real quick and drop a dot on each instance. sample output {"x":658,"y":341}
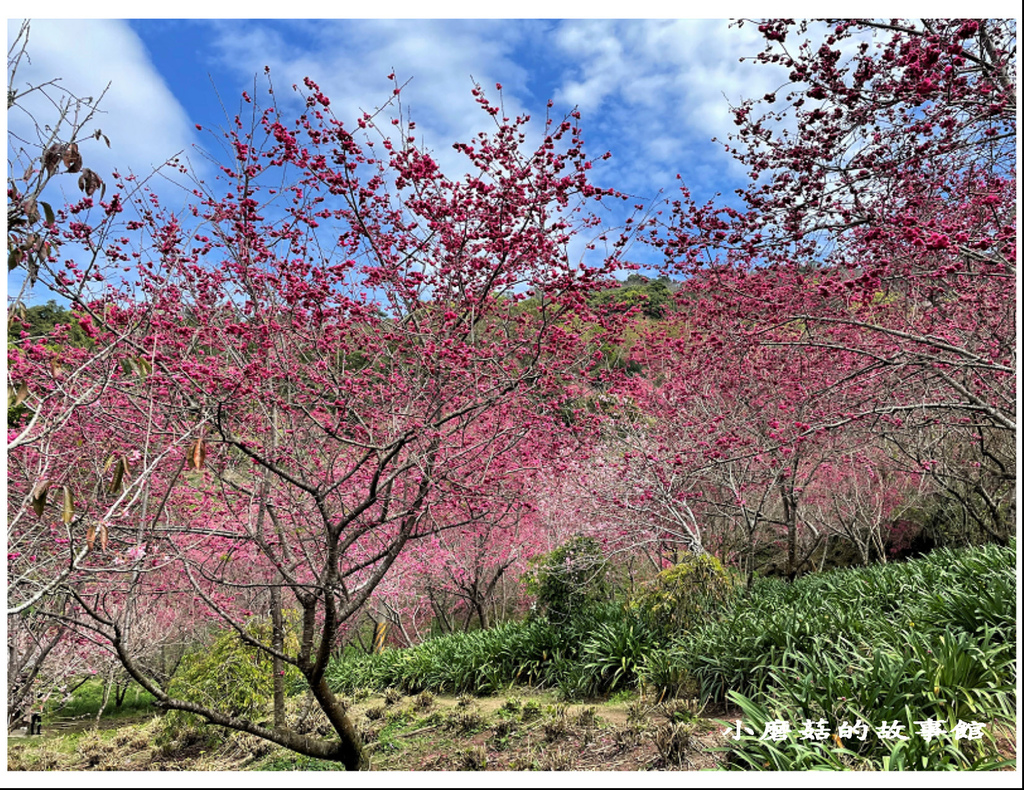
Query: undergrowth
{"x":928,"y":639}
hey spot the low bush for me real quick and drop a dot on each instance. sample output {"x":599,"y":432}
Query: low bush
{"x":230,"y":675}
{"x":576,"y":656}
{"x":571,"y":579}
{"x":685,"y":596}
{"x":783,"y":631}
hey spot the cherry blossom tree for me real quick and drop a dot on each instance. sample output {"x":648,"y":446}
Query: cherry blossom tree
{"x":879,"y":224}
{"x":859,"y":497}
{"x":339,"y":344}
{"x":722,"y":447}
{"x":472,"y":574}
{"x":68,"y":466}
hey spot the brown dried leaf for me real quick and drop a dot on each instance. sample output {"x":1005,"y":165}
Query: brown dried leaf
{"x":37,"y":497}
{"x":72,"y":159}
{"x":102,"y":531}
{"x":197,"y":455}
{"x":31,"y":210}
{"x":51,"y":158}
{"x":68,"y":512}
{"x":89,"y":182}
{"x":90,"y":536}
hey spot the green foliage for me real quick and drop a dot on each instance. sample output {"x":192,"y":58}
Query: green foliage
{"x":232,"y":676}
{"x":15,"y":414}
{"x":684,"y":596}
{"x":478,"y":662}
{"x":931,"y":638}
{"x":663,"y":673}
{"x":87,"y":699}
{"x":571,"y":579}
{"x":781,"y":626}
{"x":613,"y":655}
{"x":600,"y":649}
{"x":794,"y":753}
{"x":39,"y":321}
{"x":652,"y":297}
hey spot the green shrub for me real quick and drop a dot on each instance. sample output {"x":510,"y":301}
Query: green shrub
{"x":614,"y":654}
{"x":664,"y":672}
{"x":230,"y":676}
{"x":854,"y":616}
{"x":571,"y":579}
{"x":684,"y":596}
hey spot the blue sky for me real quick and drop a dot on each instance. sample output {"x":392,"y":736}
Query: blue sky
{"x":653,"y":92}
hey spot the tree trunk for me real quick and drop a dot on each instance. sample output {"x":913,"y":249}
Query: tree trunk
{"x":120,"y":692}
{"x":481,"y":611}
{"x":106,"y":695}
{"x":278,"y":644}
{"x":347,"y":750}
{"x":350,"y":752}
{"x":789,"y":516}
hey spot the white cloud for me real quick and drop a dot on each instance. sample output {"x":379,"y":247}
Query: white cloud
{"x":651,"y":91}
{"x":350,"y":61}
{"x":141,"y":117}
{"x":145,"y":123}
{"x":659,"y":89}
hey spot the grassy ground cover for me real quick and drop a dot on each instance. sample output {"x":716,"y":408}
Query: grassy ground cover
{"x":523,"y":730}
{"x":932,"y":639}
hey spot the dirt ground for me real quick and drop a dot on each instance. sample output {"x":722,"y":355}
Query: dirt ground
{"x":520,"y":731}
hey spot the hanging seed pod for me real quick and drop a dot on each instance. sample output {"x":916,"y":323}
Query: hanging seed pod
{"x":68,"y":511}
{"x":197,"y":455}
